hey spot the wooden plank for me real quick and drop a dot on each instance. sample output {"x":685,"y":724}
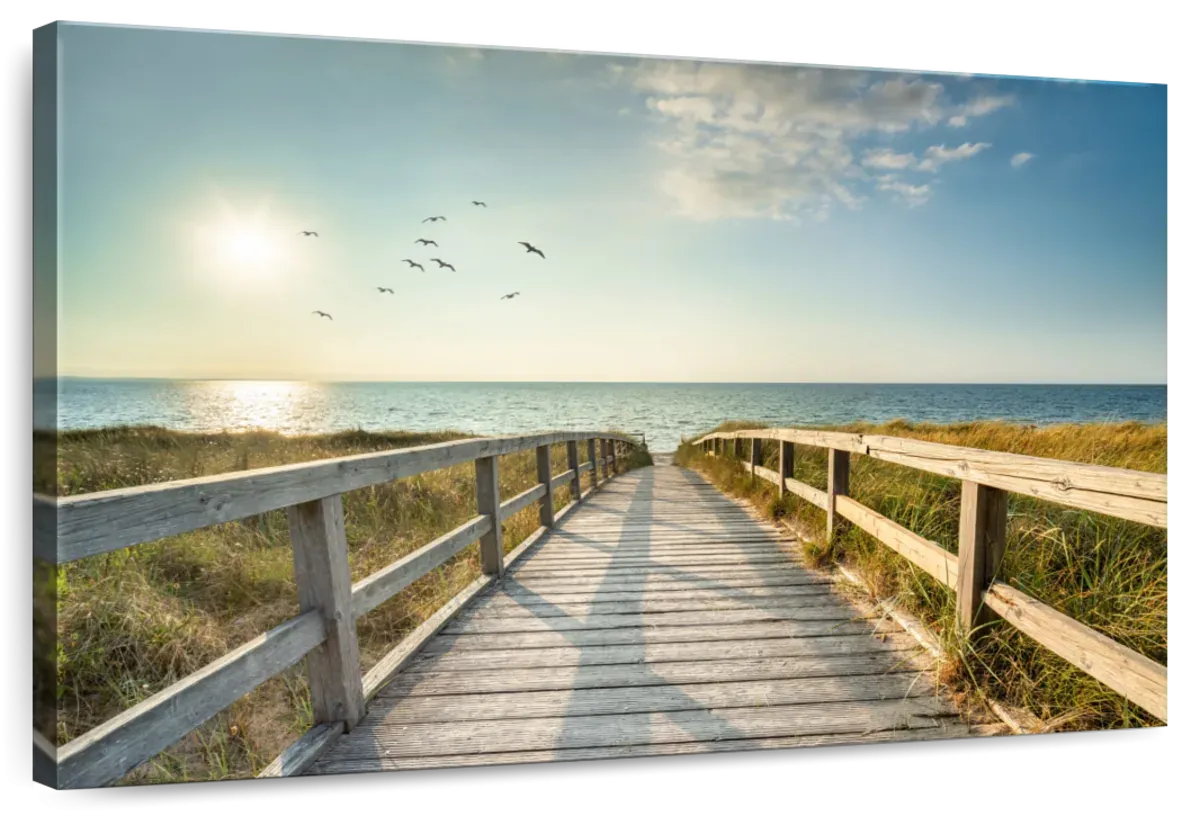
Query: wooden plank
{"x":360,"y":761}
{"x":546,"y":482}
{"x":750,"y":630}
{"x":45,"y":528}
{"x":629,"y":675}
{"x":983,"y":520}
{"x":378,"y":587}
{"x":756,"y":458}
{"x":557,"y":733}
{"x":521,"y":501}
{"x":94,"y":523}
{"x":809,"y":493}
{"x":838,"y":440}
{"x":109,"y":751}
{"x":573,"y":466}
{"x":600,"y":584}
{"x":495,"y":608}
{"x":322,"y":569}
{"x":1142,"y":681}
{"x":1127,"y":494}
{"x":487,"y":502}
{"x":695,"y":573}
{"x":652,"y":699}
{"x":839,"y":485}
{"x":927,"y":555}
{"x":514,"y":593}
{"x":441,"y":655}
{"x":298,"y":756}
{"x":562,"y":478}
{"x":684,"y":561}
{"x":407,"y":649}
{"x":604,"y":472}
{"x":787,"y":465}
{"x":716,"y":617}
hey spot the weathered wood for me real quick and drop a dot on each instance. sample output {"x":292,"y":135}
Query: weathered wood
{"x":1126,"y":672}
{"x":581,"y":610}
{"x":591,"y":451}
{"x":838,"y":485}
{"x":487,"y":502}
{"x":322,"y":568}
{"x":787,"y":465}
{"x":838,"y":440}
{"x":756,"y":457}
{"x":562,"y":478}
{"x":604,"y":469}
{"x":521,"y":501}
{"x":378,"y":587}
{"x":109,"y":751}
{"x":94,"y":523}
{"x":809,"y":493}
{"x":983,"y":519}
{"x":573,"y":465}
{"x":403,"y":653}
{"x":592,"y":702}
{"x":363,"y":761}
{"x":298,"y":756}
{"x":546,"y":480}
{"x":940,"y":563}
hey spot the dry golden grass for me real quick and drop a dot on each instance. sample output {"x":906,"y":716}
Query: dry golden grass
{"x":1107,"y":573}
{"x":132,"y":622}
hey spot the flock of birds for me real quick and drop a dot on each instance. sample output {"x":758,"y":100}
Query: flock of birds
{"x":424,"y":242}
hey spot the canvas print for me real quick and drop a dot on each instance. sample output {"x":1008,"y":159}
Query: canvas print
{"x":403,"y":406}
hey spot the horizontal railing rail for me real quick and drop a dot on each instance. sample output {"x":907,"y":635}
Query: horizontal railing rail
{"x":987,"y":477}
{"x":74,"y":527}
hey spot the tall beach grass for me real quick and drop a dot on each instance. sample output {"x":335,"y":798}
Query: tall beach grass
{"x":134,"y":621}
{"x":1107,"y":573}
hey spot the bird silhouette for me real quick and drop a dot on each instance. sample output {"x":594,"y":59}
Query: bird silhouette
{"x":323,"y":314}
{"x":308,"y":234}
{"x":530,"y":248}
{"x":425,"y":242}
{"x":412,"y":264}
{"x":434,"y":218}
{"x":383,"y":289}
{"x":509,"y":296}
{"x":479,"y":204}
{"x":443,"y":265}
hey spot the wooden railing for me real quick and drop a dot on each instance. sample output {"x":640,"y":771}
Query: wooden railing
{"x":987,"y":478}
{"x":74,"y":527}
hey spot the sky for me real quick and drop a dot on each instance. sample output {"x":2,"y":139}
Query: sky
{"x":701,"y":221}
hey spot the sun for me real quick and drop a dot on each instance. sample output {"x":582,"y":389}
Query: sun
{"x":248,"y":247}
{"x":245,"y":243}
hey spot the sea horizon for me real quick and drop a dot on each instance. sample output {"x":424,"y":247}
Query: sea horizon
{"x":664,"y":412}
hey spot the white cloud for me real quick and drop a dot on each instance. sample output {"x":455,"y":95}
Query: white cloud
{"x":764,"y":141}
{"x":1020,"y":159}
{"x":979,"y":106}
{"x":937,"y":155}
{"x":886,"y":159}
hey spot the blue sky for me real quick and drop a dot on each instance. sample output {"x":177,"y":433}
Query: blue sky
{"x":701,"y":221}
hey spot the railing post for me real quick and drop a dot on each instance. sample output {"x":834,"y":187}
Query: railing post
{"x":487,"y":502}
{"x":593,"y":477}
{"x":573,"y":464}
{"x":982,"y":524}
{"x":787,"y":465}
{"x":755,"y":455}
{"x":322,"y":571}
{"x":839,"y":485}
{"x":545,"y":477}
{"x":737,"y":448}
{"x":615,"y":446}
{"x":604,"y":459}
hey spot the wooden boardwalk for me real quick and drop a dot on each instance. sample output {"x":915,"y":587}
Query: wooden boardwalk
{"x":659,"y":618}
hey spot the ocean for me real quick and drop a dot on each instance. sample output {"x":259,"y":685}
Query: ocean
{"x":663,"y":412}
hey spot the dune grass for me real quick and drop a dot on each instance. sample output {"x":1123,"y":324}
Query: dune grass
{"x":1108,"y":573}
{"x":134,"y":621}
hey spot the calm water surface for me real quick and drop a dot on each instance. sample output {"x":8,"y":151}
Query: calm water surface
{"x":662,"y":411}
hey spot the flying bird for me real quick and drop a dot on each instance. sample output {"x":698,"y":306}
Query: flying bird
{"x":443,"y":265}
{"x":323,"y":314}
{"x":530,"y":248}
{"x":509,"y":296}
{"x":383,"y":289}
{"x":479,"y":204}
{"x":308,"y":233}
{"x":412,"y":264}
{"x":425,"y":242}
{"x":434,"y":218}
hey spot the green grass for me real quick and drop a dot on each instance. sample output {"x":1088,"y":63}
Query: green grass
{"x":1108,"y":573}
{"x":132,"y":622}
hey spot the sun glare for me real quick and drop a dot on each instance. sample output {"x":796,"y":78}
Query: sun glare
{"x":248,"y":247}
{"x":243,"y":242}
